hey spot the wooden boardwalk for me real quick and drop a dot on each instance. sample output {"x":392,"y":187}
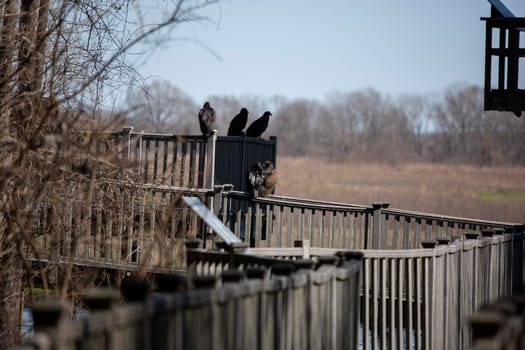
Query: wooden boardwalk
{"x":423,"y":274}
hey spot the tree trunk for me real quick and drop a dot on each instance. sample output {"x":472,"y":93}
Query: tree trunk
{"x":11,"y":295}
{"x":7,"y":57}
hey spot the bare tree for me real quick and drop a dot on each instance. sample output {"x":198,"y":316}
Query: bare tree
{"x":415,"y":109}
{"x":60,"y":61}
{"x":294,"y":123}
{"x":457,"y":117}
{"x":162,"y":107}
{"x":338,"y":129}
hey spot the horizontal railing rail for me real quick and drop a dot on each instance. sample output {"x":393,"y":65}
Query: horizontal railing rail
{"x":278,"y":221}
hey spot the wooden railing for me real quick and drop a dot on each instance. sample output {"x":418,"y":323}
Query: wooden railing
{"x":411,"y":298}
{"x":174,"y":160}
{"x":116,"y":225}
{"x":423,"y":298}
{"x":189,"y":161}
{"x":125,"y":225}
{"x":278,"y":221}
{"x":253,"y":304}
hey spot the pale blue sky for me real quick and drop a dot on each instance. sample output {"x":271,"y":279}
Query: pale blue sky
{"x":305,"y":48}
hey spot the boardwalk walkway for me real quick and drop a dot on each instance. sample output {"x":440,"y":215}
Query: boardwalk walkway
{"x":422,"y":274}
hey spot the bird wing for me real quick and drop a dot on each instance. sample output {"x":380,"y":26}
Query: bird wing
{"x":258,"y":126}
{"x":209,"y":116}
{"x":206,"y":120}
{"x":202,"y":124}
{"x":237,"y":124}
{"x":252,"y":128}
{"x":270,"y":181}
{"x":231,"y":128}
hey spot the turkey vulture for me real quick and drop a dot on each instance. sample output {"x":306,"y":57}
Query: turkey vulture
{"x":238,"y":123}
{"x":262,"y":179}
{"x":206,"y":119}
{"x":258,"y":126}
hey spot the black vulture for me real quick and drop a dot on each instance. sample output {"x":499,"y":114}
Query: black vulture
{"x":258,"y":126}
{"x":238,"y":123}
{"x":206,"y":119}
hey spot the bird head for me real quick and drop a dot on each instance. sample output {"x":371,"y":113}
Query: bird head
{"x":267,"y":113}
{"x":206,"y":105}
{"x":256,"y":166}
{"x":244,"y":111}
{"x":268,"y":165}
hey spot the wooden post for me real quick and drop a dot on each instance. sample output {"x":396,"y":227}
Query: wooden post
{"x":429,"y":244}
{"x":99,"y":299}
{"x":126,"y":139}
{"x":378,"y":241}
{"x":486,"y":325}
{"x":48,"y":318}
{"x":274,"y":151}
{"x":210,"y":177}
{"x":305,"y":244}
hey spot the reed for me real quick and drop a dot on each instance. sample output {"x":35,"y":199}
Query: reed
{"x":489,"y":193}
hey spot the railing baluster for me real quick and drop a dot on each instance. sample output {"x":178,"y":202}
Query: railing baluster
{"x":290,"y":233}
{"x":366,"y":304}
{"x":280,"y":229}
{"x":400,"y":308}
{"x":146,"y":160}
{"x":155,"y":161}
{"x":183,"y":160}
{"x":321,"y":224}
{"x":175,"y":155}
{"x":311,"y":225}
{"x":384,"y":295}
{"x":192,"y":170}
{"x":395,"y":232}
{"x":392,"y":329}
{"x":258,"y":224}
{"x":419,"y":303}
{"x":301,"y":225}
{"x":165,"y":152}
{"x":410,"y":302}
{"x":331,"y":230}
{"x":406,"y":232}
{"x":417,"y":232}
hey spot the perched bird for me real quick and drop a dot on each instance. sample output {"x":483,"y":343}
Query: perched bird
{"x":262,"y":179}
{"x":258,"y":126}
{"x":206,"y":119}
{"x":255,"y":179}
{"x":238,"y":123}
{"x":270,"y":179}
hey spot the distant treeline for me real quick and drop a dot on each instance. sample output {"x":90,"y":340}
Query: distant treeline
{"x":363,"y":125}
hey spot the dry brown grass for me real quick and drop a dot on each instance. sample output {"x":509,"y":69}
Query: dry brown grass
{"x":490,"y":193}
